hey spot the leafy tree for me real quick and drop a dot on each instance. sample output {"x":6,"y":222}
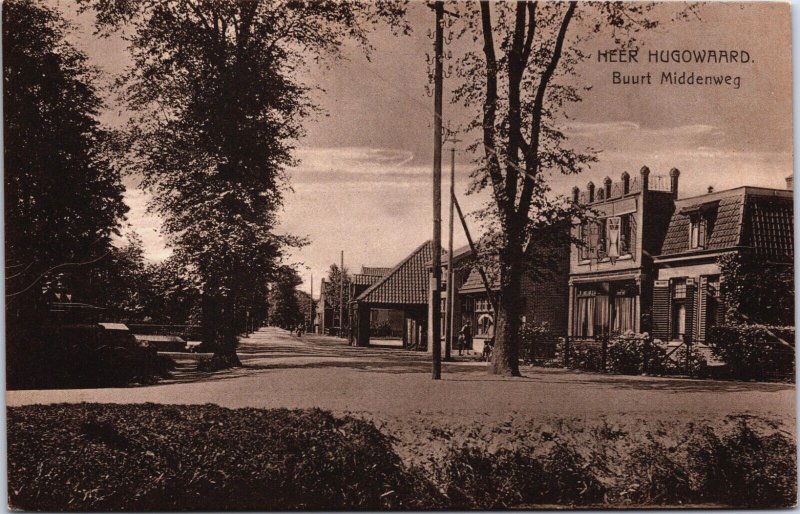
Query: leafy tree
{"x":122,"y":283}
{"x":307,"y":306}
{"x":63,"y":197}
{"x":218,"y":107}
{"x":332,"y":288}
{"x":756,"y":292}
{"x":520,"y":81}
{"x":284,"y":307}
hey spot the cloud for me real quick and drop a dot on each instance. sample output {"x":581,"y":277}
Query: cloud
{"x":356,"y":160}
{"x":631,"y":128}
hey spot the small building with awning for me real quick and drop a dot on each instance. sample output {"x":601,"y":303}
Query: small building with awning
{"x":405,"y":288}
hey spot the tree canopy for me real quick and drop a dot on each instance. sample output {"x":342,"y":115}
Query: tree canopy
{"x":218,"y":107}
{"x":63,"y":195}
{"x":518,"y":76}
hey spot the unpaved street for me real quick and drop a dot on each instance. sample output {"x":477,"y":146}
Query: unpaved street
{"x":281,"y":370}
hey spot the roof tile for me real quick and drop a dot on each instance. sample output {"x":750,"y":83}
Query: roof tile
{"x":406,"y":284}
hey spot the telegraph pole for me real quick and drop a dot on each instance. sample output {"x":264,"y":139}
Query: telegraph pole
{"x":436,"y":280}
{"x":341,"y":295}
{"x":311,"y":308}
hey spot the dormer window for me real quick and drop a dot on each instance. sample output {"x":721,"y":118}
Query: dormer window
{"x":701,"y":223}
{"x":699,"y":231}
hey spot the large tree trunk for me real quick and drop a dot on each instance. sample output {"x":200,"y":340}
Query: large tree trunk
{"x":208,"y":321}
{"x":219,"y":328}
{"x":505,"y":356}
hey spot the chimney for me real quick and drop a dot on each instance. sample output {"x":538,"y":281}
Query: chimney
{"x":626,"y":183}
{"x":790,"y":182}
{"x":607,"y":185}
{"x":645,"y":171}
{"x":590,"y":190}
{"x":576,"y":194}
{"x":674,"y":173}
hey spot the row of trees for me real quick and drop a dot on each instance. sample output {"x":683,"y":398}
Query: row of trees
{"x":216,"y":107}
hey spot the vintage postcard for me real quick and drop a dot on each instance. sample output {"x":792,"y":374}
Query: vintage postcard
{"x":398,"y":255}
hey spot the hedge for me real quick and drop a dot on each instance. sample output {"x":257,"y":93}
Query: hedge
{"x":151,"y":457}
{"x":94,"y":457}
{"x":753,"y":351}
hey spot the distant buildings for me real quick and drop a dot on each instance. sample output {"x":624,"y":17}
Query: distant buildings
{"x":646,"y":262}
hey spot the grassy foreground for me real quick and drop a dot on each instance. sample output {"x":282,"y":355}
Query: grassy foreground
{"x":159,"y":457}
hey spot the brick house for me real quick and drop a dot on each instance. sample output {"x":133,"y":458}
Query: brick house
{"x":544,"y":299}
{"x":746,"y":220}
{"x":611,"y":273}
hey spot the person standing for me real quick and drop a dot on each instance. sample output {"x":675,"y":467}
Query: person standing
{"x":466,"y":335}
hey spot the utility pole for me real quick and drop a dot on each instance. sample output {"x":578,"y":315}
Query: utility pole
{"x":341,"y":295}
{"x":311,"y":308}
{"x":436,"y":280}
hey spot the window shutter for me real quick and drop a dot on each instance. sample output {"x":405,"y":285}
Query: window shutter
{"x":661,"y":309}
{"x":702,"y":313}
{"x":691,"y":287}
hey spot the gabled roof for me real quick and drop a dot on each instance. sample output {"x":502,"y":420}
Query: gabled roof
{"x":474,"y":283}
{"x":407,"y":283}
{"x":375,"y":271}
{"x":757,"y":218}
{"x":361,"y":279}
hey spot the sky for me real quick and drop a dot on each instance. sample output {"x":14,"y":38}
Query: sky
{"x":363,"y":184}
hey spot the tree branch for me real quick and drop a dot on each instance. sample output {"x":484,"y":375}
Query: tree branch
{"x":532,"y":156}
{"x":490,"y":105}
{"x":515,"y":70}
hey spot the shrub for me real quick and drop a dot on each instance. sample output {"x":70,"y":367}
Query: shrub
{"x":537,"y":342}
{"x":568,"y":478}
{"x":584,"y":355}
{"x":474,"y":478}
{"x":634,"y":354}
{"x":380,"y":328}
{"x":656,"y":478}
{"x":743,"y":469}
{"x":677,"y":363}
{"x":147,"y":457}
{"x":753,"y":351}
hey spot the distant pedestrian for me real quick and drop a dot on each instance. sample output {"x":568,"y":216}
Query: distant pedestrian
{"x":466,"y":334}
{"x":460,"y":343}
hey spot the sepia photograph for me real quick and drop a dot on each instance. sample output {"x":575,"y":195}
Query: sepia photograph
{"x":271,"y":255}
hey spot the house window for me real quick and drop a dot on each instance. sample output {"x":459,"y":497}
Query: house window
{"x":700,"y":228}
{"x":626,"y":234}
{"x":678,"y":309}
{"x":624,"y":312}
{"x":593,"y":237}
{"x":485,"y":325}
{"x":591,"y":312}
{"x":584,"y":312}
{"x":607,"y":237}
